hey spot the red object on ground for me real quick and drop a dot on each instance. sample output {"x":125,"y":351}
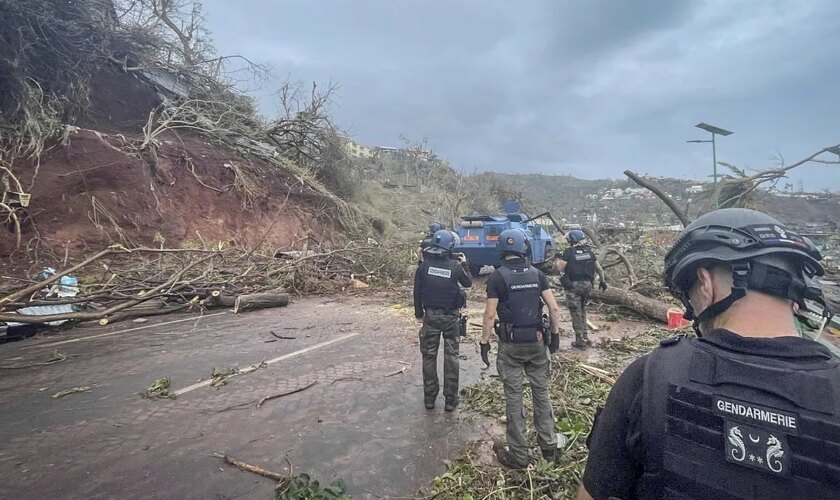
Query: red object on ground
{"x":676,"y":320}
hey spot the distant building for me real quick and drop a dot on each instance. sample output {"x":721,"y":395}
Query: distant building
{"x":697,"y":188}
{"x":358,"y":150}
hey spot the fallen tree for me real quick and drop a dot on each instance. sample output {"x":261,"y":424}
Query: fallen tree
{"x":119,"y":283}
{"x":651,"y":308}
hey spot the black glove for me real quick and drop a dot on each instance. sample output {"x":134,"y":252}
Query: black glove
{"x":485,"y":352}
{"x":602,"y":286}
{"x":555,"y":343}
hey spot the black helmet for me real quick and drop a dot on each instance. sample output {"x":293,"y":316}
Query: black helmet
{"x":435,"y":227}
{"x":737,"y":236}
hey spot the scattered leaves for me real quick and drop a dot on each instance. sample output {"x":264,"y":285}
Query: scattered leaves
{"x":220,"y":377}
{"x":303,"y":487}
{"x":160,"y":389}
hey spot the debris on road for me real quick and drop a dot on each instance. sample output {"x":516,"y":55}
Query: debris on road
{"x":57,"y":357}
{"x":220,"y":377}
{"x":398,"y":372}
{"x":245,"y":303}
{"x":160,"y":389}
{"x":143,"y":282}
{"x":74,"y":390}
{"x":251,"y":468}
{"x":286,"y":393}
{"x":293,"y":486}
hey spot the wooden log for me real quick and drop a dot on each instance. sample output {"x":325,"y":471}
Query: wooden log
{"x":217,"y":300}
{"x":651,"y":308}
{"x":260,"y":301}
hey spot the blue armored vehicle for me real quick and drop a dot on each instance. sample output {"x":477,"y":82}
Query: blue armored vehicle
{"x":479,"y":236}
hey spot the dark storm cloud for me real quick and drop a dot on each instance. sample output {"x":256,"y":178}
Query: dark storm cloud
{"x":588,"y":88}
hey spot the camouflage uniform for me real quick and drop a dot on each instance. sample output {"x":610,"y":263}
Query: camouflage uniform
{"x":437,"y":323}
{"x":577,"y":294}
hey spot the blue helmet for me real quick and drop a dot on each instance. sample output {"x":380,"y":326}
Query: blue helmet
{"x":434,"y":227}
{"x":513,"y":240}
{"x":575,"y":236}
{"x":441,"y":243}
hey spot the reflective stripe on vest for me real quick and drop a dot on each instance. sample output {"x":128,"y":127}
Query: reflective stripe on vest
{"x":739,"y":426}
{"x":522,"y":304}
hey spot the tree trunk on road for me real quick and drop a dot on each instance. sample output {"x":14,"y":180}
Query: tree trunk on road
{"x":618,"y":296}
{"x":260,"y":301}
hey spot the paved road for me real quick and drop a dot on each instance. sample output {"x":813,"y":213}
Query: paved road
{"x":356,"y":422}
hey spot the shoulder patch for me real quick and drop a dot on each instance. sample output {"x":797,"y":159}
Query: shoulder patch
{"x":671,"y":340}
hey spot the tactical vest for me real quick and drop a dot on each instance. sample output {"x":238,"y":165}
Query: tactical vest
{"x":737,"y":426}
{"x":520,"y":309}
{"x":581,"y":266}
{"x":439,"y":288}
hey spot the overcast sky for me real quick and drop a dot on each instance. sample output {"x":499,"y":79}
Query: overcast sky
{"x":588,"y":88}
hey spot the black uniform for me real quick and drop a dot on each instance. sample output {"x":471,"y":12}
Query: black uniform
{"x":437,"y":299}
{"x":722,"y":417}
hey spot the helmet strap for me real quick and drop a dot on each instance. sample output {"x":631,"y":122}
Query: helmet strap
{"x":763,"y":278}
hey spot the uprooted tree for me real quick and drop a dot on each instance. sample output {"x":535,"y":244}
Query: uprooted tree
{"x":736,"y":190}
{"x":732,"y":191}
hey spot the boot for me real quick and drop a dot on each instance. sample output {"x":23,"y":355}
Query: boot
{"x":507,"y":459}
{"x":579,"y":345}
{"x":430,"y":403}
{"x":550,"y":456}
{"x":451,"y":404}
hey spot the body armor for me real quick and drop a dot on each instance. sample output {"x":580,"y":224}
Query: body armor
{"x":440,"y":289}
{"x":581,"y":267}
{"x":739,"y":426}
{"x":520,"y":309}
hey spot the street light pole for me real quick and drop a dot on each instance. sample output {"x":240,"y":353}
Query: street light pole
{"x":714,"y":166}
{"x":714,"y":131}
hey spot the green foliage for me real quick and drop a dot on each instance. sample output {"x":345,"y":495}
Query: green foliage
{"x":160,"y":389}
{"x":303,"y":487}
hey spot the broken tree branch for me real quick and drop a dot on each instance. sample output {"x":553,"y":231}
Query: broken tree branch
{"x":174,"y":280}
{"x":661,"y":194}
{"x":250,"y":468}
{"x":286,"y":393}
{"x":113,"y":249}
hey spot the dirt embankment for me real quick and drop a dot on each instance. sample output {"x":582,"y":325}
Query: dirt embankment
{"x":91,"y":193}
{"x":95,"y":190}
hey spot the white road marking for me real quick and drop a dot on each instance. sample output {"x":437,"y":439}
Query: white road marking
{"x":205,"y":383}
{"x":91,"y":337}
